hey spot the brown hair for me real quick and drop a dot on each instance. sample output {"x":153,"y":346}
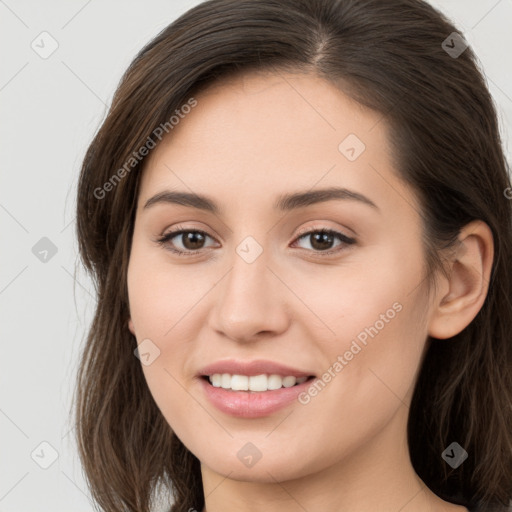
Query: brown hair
{"x":446,"y":144}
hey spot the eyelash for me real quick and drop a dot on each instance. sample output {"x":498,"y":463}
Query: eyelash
{"x":164,"y":239}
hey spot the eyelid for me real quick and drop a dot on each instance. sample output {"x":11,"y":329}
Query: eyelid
{"x":322,"y":227}
{"x":345,"y":240}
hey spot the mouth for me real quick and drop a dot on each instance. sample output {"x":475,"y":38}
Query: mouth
{"x":253,"y":396}
{"x":254,"y":383}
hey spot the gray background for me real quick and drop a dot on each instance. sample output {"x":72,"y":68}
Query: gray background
{"x":49,"y":110}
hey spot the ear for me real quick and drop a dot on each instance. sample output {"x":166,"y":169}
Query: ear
{"x":131,"y":327}
{"x":463,"y":293}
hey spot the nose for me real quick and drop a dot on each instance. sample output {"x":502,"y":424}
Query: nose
{"x":250,"y":302}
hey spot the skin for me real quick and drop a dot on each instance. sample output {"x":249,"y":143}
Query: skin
{"x":248,"y":140}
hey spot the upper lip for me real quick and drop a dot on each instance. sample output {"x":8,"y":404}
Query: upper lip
{"x":251,"y":368}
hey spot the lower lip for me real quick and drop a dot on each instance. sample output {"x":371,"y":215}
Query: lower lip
{"x":252,"y":404}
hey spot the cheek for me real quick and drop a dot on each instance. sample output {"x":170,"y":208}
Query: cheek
{"x":161,"y":295}
{"x":363,"y":295}
{"x":377,"y":329}
{"x":162,"y":299}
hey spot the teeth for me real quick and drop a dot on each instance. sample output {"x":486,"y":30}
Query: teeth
{"x":253,"y":383}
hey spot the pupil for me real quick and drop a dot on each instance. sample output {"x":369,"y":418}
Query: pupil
{"x":322,"y":240}
{"x":195,"y":239}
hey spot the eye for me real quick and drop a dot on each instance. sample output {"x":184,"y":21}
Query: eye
{"x":191,"y":240}
{"x":321,"y":241}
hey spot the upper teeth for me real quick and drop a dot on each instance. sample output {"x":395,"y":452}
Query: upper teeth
{"x":253,"y":383}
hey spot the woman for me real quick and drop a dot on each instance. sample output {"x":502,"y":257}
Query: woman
{"x":296,"y":215}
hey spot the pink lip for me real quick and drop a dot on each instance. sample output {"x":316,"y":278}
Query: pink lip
{"x":251,"y":368}
{"x":251,"y":404}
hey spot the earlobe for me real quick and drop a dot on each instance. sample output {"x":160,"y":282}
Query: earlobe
{"x":467,"y":282}
{"x":131,"y":327}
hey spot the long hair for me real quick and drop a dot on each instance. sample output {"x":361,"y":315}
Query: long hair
{"x":393,"y":57}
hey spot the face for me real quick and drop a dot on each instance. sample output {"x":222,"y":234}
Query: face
{"x":257,"y":279}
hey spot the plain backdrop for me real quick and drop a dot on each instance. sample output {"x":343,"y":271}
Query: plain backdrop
{"x":50,"y":107}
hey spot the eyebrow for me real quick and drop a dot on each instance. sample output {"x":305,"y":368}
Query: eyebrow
{"x":284,"y":202}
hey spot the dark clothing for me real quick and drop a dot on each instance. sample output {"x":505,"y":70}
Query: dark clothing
{"x":479,"y":507}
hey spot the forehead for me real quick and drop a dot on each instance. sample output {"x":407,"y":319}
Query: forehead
{"x":263,"y":134}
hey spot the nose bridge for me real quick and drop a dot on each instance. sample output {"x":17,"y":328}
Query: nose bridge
{"x":250,"y":266}
{"x":248,"y":301}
